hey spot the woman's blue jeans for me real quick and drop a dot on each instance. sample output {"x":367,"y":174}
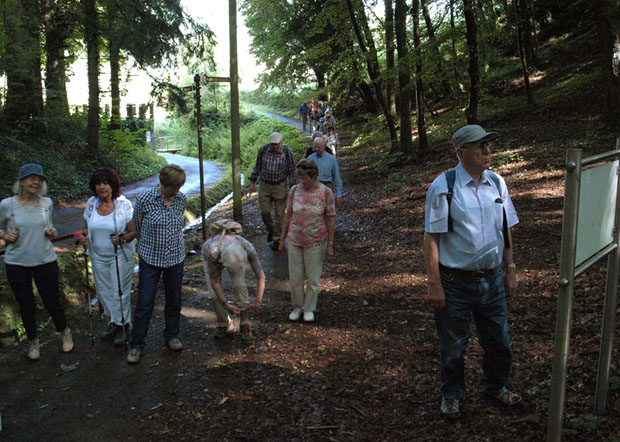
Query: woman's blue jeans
{"x":147,"y":289}
{"x":485,"y":299}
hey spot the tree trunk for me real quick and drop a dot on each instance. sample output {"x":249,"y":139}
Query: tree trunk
{"x":419,"y":86}
{"x":441,"y":73}
{"x":607,"y":17}
{"x":453,"y":36}
{"x":113,"y":47}
{"x":471,"y":113}
{"x":404,"y":79}
{"x":320,"y":79}
{"x":370,"y":103}
{"x":389,"y":54}
{"x":91,"y":36}
{"x":22,"y":60}
{"x":522,"y":55}
{"x":367,"y":46}
{"x":524,"y":12}
{"x":57,"y":30}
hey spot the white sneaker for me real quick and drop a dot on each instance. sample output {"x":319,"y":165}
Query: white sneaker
{"x":67,"y":341}
{"x":308,"y":317}
{"x":34,"y":352}
{"x":134,"y":356}
{"x":295,"y":314}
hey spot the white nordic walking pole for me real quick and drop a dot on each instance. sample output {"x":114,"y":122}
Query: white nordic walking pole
{"x":120,"y":292}
{"x":88,"y":290}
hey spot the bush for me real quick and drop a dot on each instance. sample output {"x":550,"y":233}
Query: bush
{"x":59,"y":146}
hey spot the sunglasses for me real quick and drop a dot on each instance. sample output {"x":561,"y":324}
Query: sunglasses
{"x":305,"y":167}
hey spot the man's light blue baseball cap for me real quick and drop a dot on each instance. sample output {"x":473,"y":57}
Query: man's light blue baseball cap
{"x":470,"y":134}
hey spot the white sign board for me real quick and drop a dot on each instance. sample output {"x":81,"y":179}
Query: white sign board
{"x":597,"y":210}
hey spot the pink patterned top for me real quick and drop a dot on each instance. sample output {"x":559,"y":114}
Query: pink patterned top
{"x":309,"y":209}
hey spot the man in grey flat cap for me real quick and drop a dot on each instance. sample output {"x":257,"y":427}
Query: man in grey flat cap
{"x":467,"y":239}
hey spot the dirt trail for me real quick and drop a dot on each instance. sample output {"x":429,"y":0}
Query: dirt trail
{"x":365,"y":371}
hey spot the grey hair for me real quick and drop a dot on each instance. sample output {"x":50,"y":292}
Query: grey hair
{"x":17,"y":188}
{"x":320,"y":139}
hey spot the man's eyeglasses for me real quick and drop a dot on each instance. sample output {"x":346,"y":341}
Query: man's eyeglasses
{"x":481,"y":145}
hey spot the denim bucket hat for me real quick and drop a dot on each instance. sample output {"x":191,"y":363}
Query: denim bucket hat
{"x":30,"y":169}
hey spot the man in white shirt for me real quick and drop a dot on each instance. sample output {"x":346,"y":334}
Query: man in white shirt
{"x":468,"y":218}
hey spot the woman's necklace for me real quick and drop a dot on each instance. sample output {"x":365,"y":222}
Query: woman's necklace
{"x":28,"y":205}
{"x":104,"y":207}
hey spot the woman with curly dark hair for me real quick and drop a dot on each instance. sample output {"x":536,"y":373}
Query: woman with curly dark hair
{"x":109,"y":229}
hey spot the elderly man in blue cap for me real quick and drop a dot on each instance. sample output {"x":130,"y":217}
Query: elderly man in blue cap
{"x":469,"y":259}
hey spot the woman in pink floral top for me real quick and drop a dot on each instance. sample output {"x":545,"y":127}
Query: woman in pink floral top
{"x":309,"y":224}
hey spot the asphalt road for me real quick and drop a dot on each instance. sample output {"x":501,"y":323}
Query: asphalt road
{"x":67,"y":217}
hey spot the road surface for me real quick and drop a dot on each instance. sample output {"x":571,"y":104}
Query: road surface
{"x":68,"y":216}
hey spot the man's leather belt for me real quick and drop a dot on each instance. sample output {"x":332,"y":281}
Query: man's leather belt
{"x":273,"y":183}
{"x":325,"y":182}
{"x":469,"y":274}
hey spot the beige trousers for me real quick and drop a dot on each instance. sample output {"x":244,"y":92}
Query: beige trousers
{"x":240,"y":296}
{"x":270,"y":195}
{"x":305,"y":264}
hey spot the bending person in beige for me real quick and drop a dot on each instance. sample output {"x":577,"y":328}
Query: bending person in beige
{"x":227,"y":249}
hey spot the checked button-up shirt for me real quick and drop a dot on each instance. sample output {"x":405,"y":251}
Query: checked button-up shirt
{"x":160,"y":229}
{"x":274,"y":165}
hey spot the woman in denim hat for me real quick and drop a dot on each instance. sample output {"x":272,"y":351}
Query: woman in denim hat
{"x":26,"y":226}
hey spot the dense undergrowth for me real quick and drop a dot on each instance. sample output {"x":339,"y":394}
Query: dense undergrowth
{"x":59,"y":146}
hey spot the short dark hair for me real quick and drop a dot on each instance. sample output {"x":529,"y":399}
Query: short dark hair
{"x":106,"y":175}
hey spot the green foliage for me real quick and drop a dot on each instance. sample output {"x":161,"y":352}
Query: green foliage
{"x":128,"y":153}
{"x":280,"y":102}
{"x":58,"y":145}
{"x":216,"y":136}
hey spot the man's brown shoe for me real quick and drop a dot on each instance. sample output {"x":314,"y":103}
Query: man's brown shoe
{"x":246,"y":333}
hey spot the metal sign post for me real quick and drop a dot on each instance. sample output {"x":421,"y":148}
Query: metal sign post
{"x":234,"y":121}
{"x":589,"y":233}
{"x":203,"y":207}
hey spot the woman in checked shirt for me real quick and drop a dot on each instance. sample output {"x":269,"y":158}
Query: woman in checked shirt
{"x":158,"y":219}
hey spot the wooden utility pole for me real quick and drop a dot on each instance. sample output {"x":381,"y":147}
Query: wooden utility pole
{"x":203,"y":207}
{"x":234,"y":113}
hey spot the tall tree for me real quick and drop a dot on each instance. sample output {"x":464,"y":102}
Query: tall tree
{"x":389,"y":53}
{"x":441,"y":72}
{"x":359,"y":21}
{"x":165,"y":30}
{"x":524,"y":12}
{"x":419,"y":86}
{"x":471,"y":113}
{"x":22,"y":60}
{"x":404,"y":78}
{"x":453,"y":37}
{"x":114,"y":49}
{"x":301,"y":40}
{"x":92,"y":38}
{"x":522,"y":52}
{"x":59,"y":19}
